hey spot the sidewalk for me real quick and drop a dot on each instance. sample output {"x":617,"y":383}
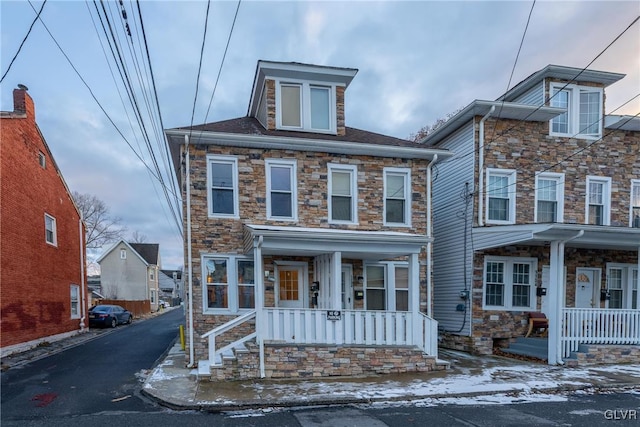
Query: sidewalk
{"x":488,"y":378}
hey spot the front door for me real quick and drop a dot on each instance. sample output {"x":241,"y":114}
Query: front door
{"x":587,"y":282}
{"x":347,"y":287}
{"x":290,"y":286}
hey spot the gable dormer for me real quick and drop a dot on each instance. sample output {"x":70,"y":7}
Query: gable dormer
{"x":300,"y":97}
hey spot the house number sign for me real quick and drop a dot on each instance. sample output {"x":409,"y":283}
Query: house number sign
{"x":333,"y":314}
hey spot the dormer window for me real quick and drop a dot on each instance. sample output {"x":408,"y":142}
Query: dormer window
{"x":306,"y":107}
{"x":583,"y":118}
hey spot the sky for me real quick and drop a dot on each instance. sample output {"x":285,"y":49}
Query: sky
{"x":418,"y":61}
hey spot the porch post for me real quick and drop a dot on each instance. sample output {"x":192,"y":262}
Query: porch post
{"x":556,"y":301}
{"x":335,"y":295}
{"x":258,"y":273}
{"x":414,"y":295}
{"x":638,"y":276}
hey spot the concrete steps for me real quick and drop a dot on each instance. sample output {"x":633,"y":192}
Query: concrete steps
{"x":530,"y":347}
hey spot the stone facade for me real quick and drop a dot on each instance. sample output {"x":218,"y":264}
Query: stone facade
{"x":591,"y":354}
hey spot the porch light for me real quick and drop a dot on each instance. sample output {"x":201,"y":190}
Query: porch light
{"x":360,"y":279}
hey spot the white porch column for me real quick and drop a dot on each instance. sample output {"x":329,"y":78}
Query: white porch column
{"x":258,"y":277}
{"x":414,"y":294}
{"x":335,"y":302}
{"x":638,"y":302}
{"x":556,"y":301}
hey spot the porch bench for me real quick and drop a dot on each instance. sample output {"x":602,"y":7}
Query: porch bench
{"x":537,"y":321}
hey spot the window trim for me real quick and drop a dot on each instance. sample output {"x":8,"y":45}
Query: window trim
{"x":353,"y":173}
{"x":559,"y":179}
{"x":123,"y":253}
{"x":42,"y":160}
{"x":389,"y":277}
{"x":606,"y":198}
{"x":508,"y":284}
{"x":406,"y":174}
{"x":292,"y":165}
{"x":76,"y":314}
{"x":511,"y":175}
{"x":233,"y":161}
{"x":626,"y":282}
{"x":54,"y":230}
{"x":573,"y":110}
{"x":233,"y":291}
{"x":635,"y":183}
{"x":305,"y":105}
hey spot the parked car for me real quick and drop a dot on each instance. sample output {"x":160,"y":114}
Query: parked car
{"x":163,"y":304}
{"x":109,"y":315}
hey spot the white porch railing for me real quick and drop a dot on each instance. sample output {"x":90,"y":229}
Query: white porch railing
{"x":215,"y":356}
{"x":598,"y":326}
{"x":358,"y":327}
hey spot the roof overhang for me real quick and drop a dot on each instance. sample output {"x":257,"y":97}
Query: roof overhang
{"x":627,"y":123}
{"x":575,"y":235}
{"x":503,"y":110}
{"x":177,"y":136}
{"x":372,"y":245}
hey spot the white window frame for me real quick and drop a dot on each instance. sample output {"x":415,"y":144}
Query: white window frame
{"x":123,"y":253}
{"x":606,"y":198}
{"x":406,"y":174}
{"x":511,"y":176}
{"x":42,"y":160}
{"x":230,"y":160}
{"x":74,"y":289}
{"x":305,"y":105}
{"x":573,"y":110}
{"x":54,"y":231}
{"x":559,"y":180}
{"x":293,"y":168}
{"x":389,"y":277}
{"x":152,"y":276}
{"x":233,"y":290}
{"x":628,"y":286}
{"x":635,"y":186}
{"x":508,"y":283}
{"x":352,"y":170}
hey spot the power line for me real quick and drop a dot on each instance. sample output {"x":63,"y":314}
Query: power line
{"x":204,"y":38}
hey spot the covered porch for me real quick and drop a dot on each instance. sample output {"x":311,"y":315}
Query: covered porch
{"x":592,"y":319}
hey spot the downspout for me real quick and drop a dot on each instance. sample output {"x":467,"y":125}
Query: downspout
{"x":429,"y":235}
{"x":554,"y":355}
{"x":189,"y":258}
{"x":83,"y":312}
{"x":481,"y":167}
{"x":259,"y":280}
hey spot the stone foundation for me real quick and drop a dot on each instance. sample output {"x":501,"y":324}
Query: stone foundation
{"x":594,"y":354}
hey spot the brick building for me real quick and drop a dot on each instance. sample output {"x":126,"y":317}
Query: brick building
{"x":308,"y":242}
{"x":43,"y":289}
{"x":539,"y":211}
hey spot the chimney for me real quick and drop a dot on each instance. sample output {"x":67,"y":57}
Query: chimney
{"x":22,"y":102}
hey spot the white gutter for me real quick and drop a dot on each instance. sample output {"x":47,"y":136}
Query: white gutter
{"x":429,"y":235}
{"x":189,"y":258}
{"x":83,"y":305}
{"x":481,"y":167}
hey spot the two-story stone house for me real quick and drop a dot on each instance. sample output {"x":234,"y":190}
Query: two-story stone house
{"x":306,"y":240}
{"x":539,"y":210}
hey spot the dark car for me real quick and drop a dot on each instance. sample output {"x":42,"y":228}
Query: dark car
{"x":109,"y":315}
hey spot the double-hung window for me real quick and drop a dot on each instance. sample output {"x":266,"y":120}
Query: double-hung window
{"x":598,"y":202}
{"x":50,"y":234}
{"x":281,"y":190}
{"x":634,"y":209}
{"x":397,"y":196}
{"x":509,"y":283}
{"x":583,"y":116}
{"x":501,"y":196}
{"x":387,"y":286}
{"x":229,"y":284}
{"x":306,"y":106}
{"x":622,"y":285}
{"x":343,"y":193}
{"x":75,"y":301}
{"x":222,"y":179}
{"x":549,"y":197}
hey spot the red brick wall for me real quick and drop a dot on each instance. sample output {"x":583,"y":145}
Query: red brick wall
{"x":35,"y":277}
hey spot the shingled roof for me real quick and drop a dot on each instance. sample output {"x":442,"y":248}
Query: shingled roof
{"x":148,"y":251}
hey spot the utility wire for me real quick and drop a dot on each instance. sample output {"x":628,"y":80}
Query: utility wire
{"x":24,"y":40}
{"x":204,"y":38}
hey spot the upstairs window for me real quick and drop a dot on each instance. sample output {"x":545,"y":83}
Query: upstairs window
{"x":343,"y":193}
{"x":307,"y":107}
{"x":222,"y":180}
{"x":549,"y":197}
{"x":635,"y":203}
{"x":397,"y":196}
{"x":123,"y":254}
{"x":281,"y":189}
{"x":501,"y":196}
{"x":598,"y":209}
{"x":42,"y":160}
{"x":50,"y":234}
{"x":583,"y":116}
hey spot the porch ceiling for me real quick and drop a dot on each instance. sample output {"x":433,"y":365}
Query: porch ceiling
{"x":295,"y":241}
{"x":595,"y":237}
